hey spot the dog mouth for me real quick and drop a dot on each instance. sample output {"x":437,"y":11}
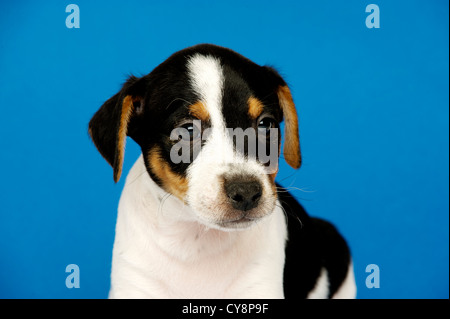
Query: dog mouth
{"x":241,"y":223}
{"x":228,"y":218}
{"x":242,"y":220}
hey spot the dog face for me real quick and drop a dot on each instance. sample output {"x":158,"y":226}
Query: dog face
{"x":189,"y":104}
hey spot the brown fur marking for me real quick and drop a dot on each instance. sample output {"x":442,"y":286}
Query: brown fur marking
{"x":291,"y":151}
{"x":199,"y":110}
{"x":172,"y":182}
{"x":255,"y":107}
{"x":127,"y":110}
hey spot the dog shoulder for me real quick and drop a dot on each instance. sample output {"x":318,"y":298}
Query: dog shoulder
{"x":318,"y":262}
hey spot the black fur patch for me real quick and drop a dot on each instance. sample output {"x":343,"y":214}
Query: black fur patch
{"x":312,"y":244}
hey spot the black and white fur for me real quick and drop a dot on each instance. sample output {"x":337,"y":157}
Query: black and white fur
{"x":219,"y":226}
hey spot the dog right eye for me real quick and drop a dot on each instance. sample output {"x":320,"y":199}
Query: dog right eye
{"x":188,"y":132}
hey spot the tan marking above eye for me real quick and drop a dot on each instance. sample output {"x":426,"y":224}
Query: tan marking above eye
{"x":255,"y":107}
{"x":199,"y":111}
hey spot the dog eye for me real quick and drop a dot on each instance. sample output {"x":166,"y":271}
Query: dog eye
{"x":266,"y":124}
{"x":192,"y":130}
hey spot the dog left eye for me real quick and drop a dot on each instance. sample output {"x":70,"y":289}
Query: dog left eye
{"x":192,"y":130}
{"x":266,"y":124}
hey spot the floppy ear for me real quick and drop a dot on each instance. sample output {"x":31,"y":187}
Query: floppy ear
{"x":109,"y":126}
{"x":291,"y":151}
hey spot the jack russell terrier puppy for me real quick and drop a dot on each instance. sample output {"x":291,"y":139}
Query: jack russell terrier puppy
{"x":200,"y":217}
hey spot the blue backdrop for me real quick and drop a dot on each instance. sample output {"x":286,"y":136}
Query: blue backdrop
{"x":374,"y":124}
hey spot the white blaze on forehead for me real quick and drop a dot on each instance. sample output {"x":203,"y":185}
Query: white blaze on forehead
{"x":207,"y":80}
{"x":217,"y":155}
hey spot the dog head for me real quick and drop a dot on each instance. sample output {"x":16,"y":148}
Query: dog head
{"x":181,"y":115}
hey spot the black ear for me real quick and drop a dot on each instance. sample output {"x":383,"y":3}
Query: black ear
{"x":109,"y":126}
{"x":291,"y":150}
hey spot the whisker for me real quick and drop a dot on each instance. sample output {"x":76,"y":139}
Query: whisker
{"x":286,"y":217}
{"x":178,"y":99}
{"x":264,"y":98}
{"x":134,"y":180}
{"x":291,"y":214}
{"x":161,"y":203}
{"x":289,"y":188}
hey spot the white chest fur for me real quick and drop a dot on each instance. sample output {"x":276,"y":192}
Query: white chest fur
{"x":162,"y":251}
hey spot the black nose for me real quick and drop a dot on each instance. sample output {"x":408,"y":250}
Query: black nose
{"x":243,"y":195}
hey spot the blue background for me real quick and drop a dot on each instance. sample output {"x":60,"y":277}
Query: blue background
{"x":374,"y":124}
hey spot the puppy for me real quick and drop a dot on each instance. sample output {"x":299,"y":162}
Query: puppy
{"x":212,"y":222}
